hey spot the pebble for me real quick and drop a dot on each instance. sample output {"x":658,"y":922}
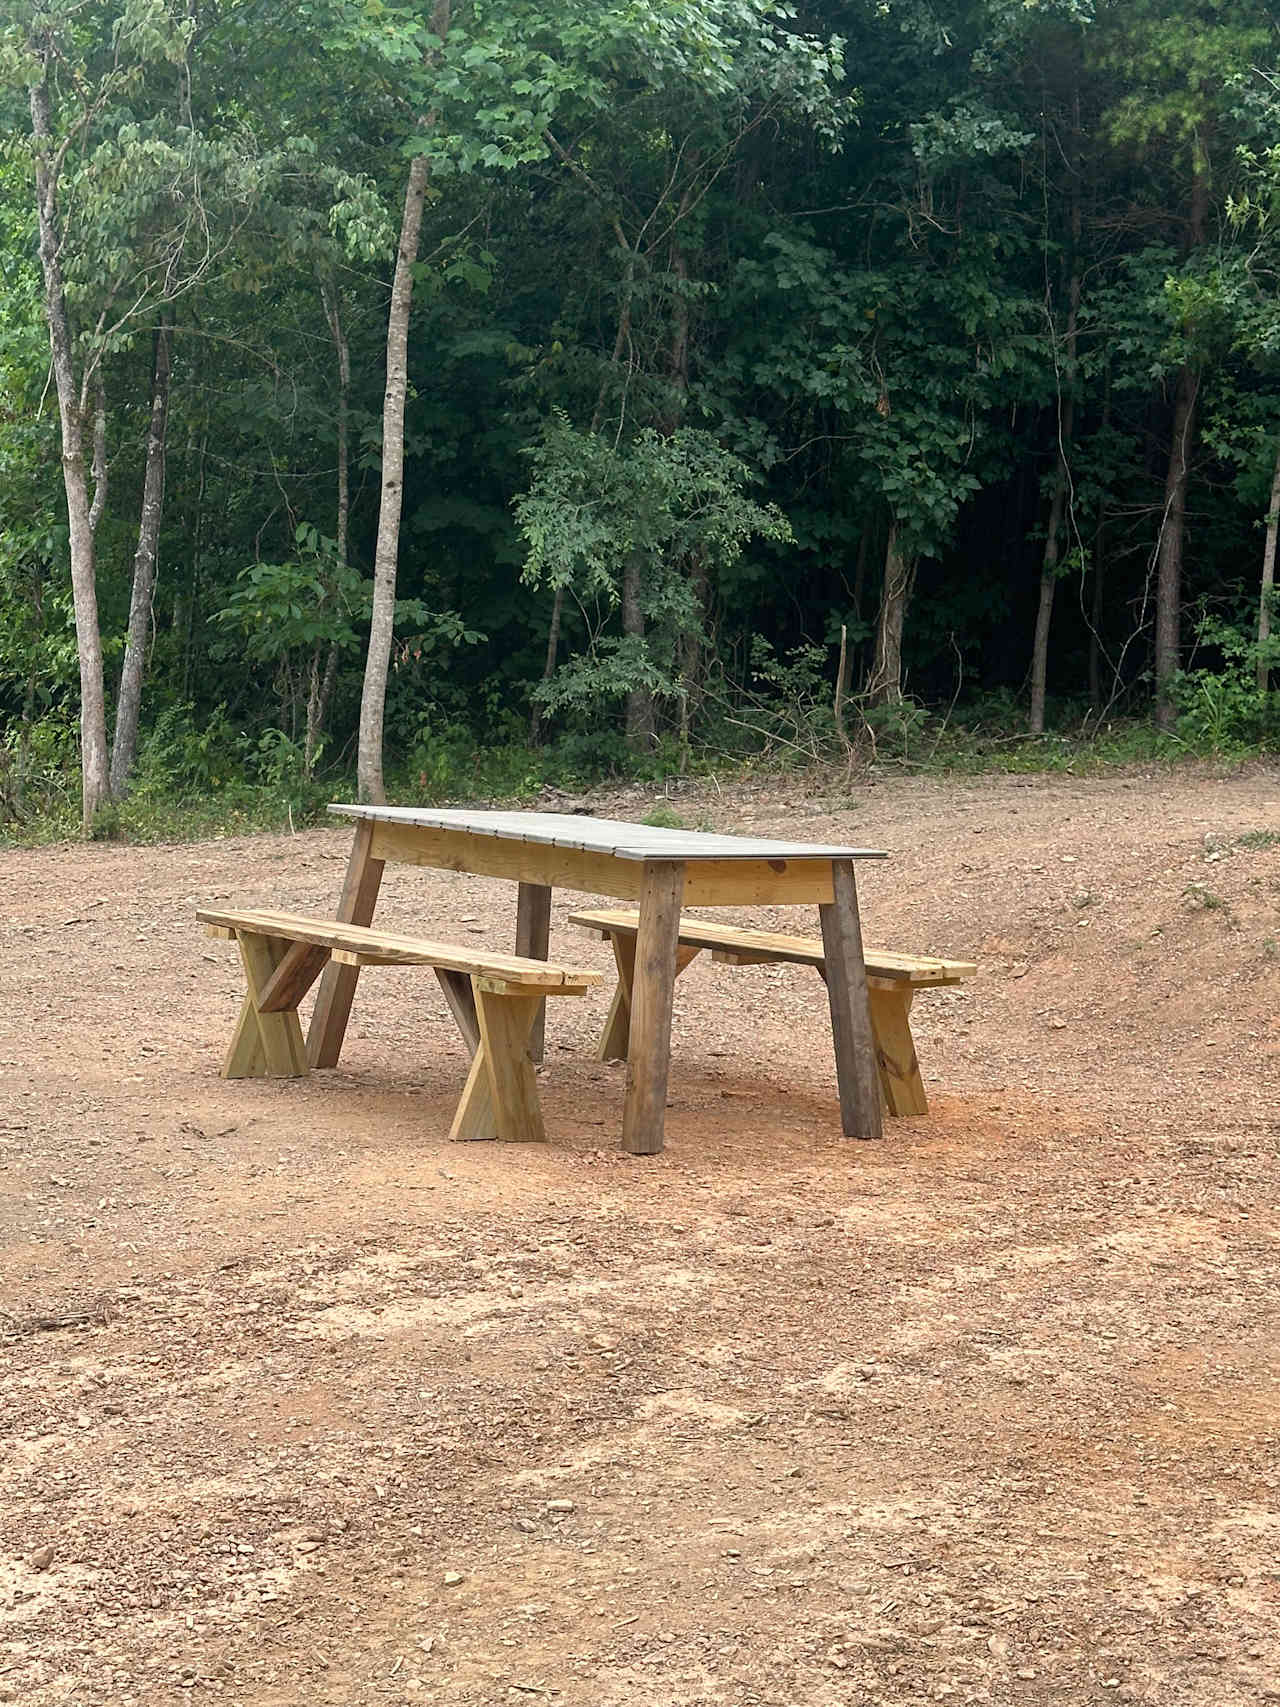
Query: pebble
{"x":561,"y":1505}
{"x":41,"y":1559}
{"x":452,"y":1579}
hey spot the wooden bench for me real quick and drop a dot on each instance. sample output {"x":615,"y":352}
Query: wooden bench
{"x":495,"y":999}
{"x":892,"y":981}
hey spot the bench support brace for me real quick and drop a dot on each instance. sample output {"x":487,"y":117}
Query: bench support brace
{"x":500,"y":1098}
{"x":266,"y":1042}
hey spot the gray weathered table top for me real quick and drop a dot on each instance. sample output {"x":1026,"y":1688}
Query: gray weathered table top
{"x":603,"y":835}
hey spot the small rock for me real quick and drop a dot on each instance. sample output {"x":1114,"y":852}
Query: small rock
{"x":452,"y":1579}
{"x":560,"y":1505}
{"x":41,"y":1559}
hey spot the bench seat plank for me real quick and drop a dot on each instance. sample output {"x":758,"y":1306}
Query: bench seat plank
{"x":389,"y":948}
{"x":892,"y":981}
{"x":735,"y":944}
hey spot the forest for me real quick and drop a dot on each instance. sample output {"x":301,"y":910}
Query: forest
{"x":441,"y":399}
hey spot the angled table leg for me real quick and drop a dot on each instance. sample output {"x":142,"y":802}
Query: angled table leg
{"x":846,"y":970}
{"x":338,"y":982}
{"x":652,"y":990}
{"x":533,"y":940}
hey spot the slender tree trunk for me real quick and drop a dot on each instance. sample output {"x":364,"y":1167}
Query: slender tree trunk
{"x":95,"y":776}
{"x":320,"y":691}
{"x":128,"y":706}
{"x":1052,"y":554}
{"x":549,"y":666}
{"x":639,"y":712}
{"x":1044,"y":608}
{"x":691,"y":646}
{"x":1268,"y":579}
{"x":1168,"y":635}
{"x":373,"y":698}
{"x":884,"y":686}
{"x":1169,"y":554}
{"x":1065,"y":424}
{"x":1099,"y":572}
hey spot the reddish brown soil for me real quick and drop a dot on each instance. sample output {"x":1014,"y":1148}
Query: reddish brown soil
{"x":341,"y":1413}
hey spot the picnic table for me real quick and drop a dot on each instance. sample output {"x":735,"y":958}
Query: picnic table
{"x":661,"y":870}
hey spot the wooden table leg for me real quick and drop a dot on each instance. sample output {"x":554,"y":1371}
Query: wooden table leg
{"x":856,"y":1074}
{"x":338,"y":982}
{"x":533,"y":939}
{"x":652,"y":990}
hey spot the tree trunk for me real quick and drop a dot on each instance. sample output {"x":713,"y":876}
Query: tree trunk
{"x":1169,"y":554}
{"x":320,"y":691}
{"x":639,"y":714}
{"x":1052,"y":549}
{"x":95,"y":777}
{"x":373,"y":698}
{"x":1268,"y":579}
{"x":1065,"y":426}
{"x":691,"y":648}
{"x":1173,"y":523}
{"x":1099,"y":572}
{"x":549,"y":667}
{"x":884,"y":686}
{"x":125,"y":746}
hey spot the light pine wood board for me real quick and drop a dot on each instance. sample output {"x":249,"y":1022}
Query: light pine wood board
{"x":708,"y":882}
{"x":745,"y":945}
{"x":392,"y":948}
{"x":612,"y":836}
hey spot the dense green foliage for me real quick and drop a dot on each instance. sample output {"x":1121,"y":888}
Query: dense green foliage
{"x":737,"y":328}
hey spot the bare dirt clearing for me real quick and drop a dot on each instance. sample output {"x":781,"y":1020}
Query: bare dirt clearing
{"x":342,"y":1413}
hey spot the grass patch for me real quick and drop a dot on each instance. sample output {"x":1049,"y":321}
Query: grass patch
{"x":663,"y":818}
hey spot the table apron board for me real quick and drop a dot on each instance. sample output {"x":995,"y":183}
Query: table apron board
{"x":707,"y":882}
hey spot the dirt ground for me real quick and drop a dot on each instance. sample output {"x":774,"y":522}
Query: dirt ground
{"x":300,"y":1402}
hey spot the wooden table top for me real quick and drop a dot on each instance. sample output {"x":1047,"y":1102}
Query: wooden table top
{"x":603,"y":835}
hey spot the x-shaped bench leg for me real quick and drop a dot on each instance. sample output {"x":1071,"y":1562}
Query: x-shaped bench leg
{"x":265,"y":1042}
{"x":616,"y":1036}
{"x":500,"y":1098}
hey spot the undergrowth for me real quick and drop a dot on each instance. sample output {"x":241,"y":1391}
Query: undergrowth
{"x":192,"y":783}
